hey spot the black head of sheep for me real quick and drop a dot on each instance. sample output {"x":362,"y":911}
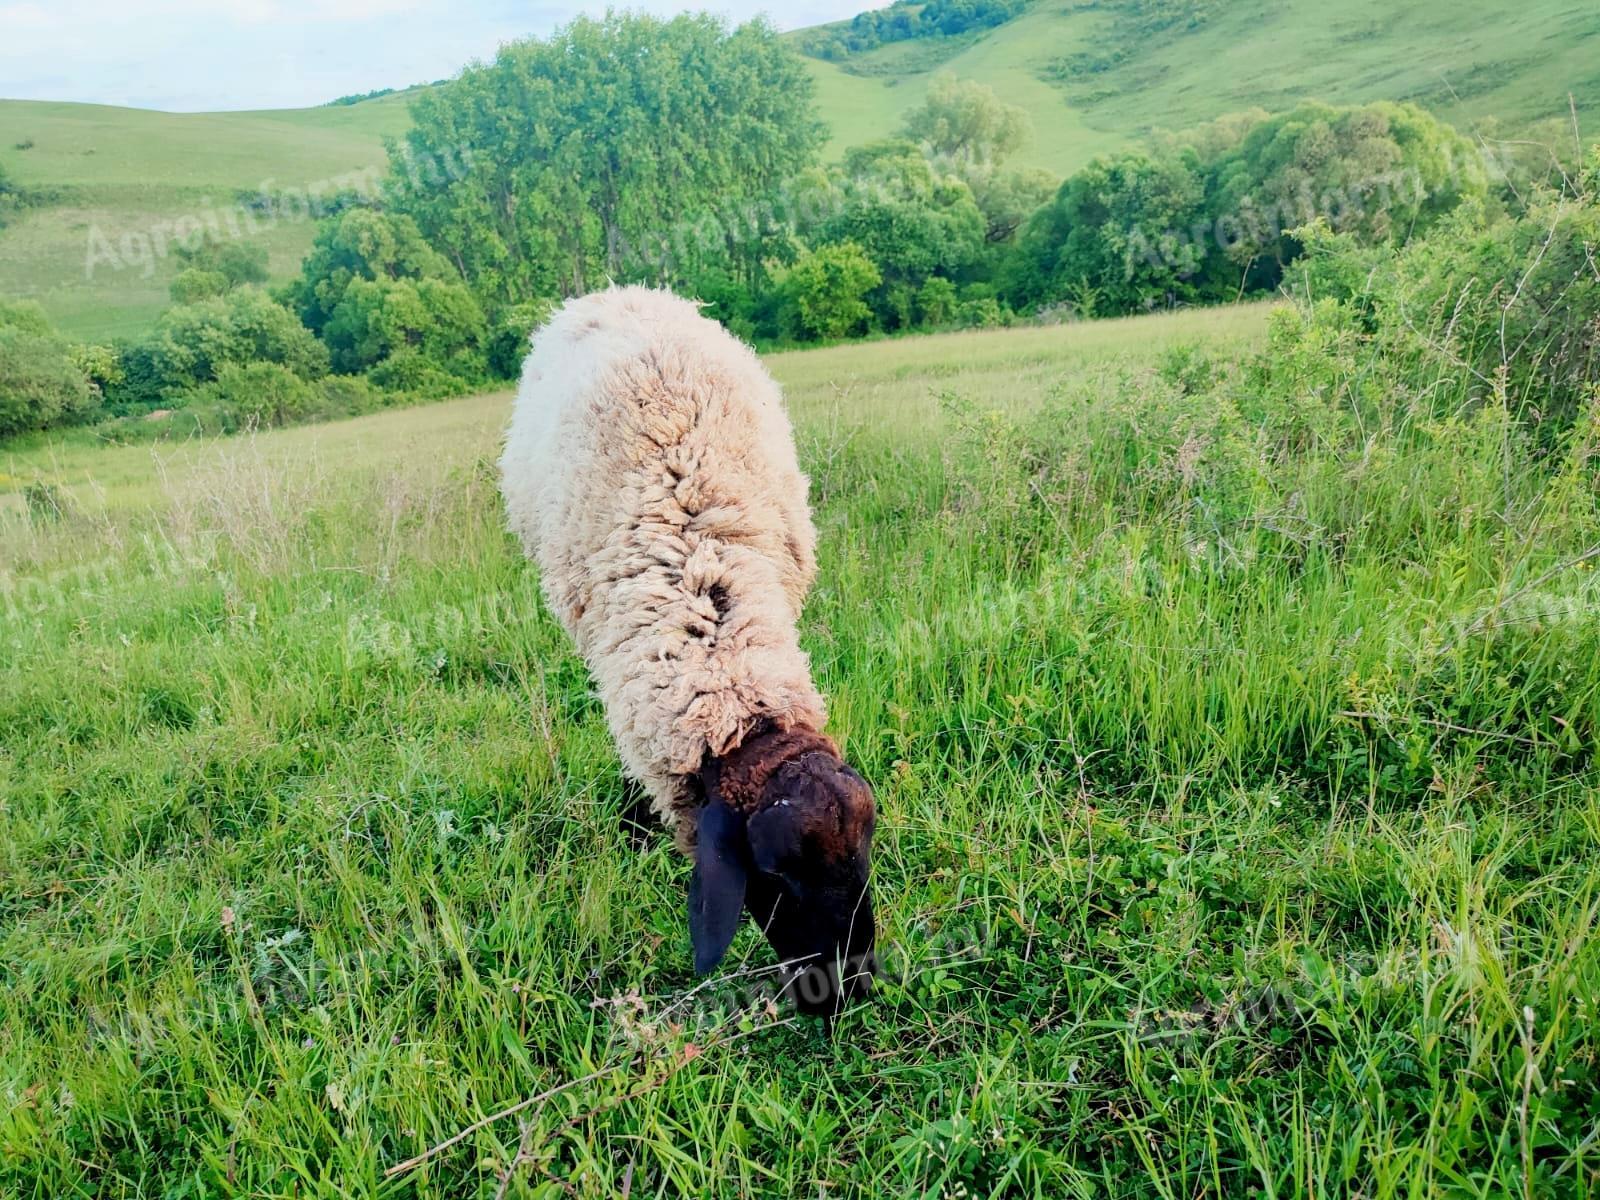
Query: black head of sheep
{"x":786,"y":834}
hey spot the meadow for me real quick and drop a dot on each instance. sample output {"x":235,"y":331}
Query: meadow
{"x":1233,"y":740}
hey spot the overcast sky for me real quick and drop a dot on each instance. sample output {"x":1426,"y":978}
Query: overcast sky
{"x":200,"y":55}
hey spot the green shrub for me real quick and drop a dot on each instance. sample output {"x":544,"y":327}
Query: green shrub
{"x":27,"y":315}
{"x":191,"y":345}
{"x":984,"y":312}
{"x":262,"y":393}
{"x":508,"y":339}
{"x":1489,"y":306}
{"x":40,"y":385}
{"x":434,"y":319}
{"x":936,"y":302}
{"x":826,"y":291}
{"x":194,"y":284}
{"x":418,"y":378}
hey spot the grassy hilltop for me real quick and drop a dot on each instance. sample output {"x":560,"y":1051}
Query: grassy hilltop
{"x":1093,"y":76}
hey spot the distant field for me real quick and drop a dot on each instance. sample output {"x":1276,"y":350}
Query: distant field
{"x":127,"y":171}
{"x":1237,"y":836}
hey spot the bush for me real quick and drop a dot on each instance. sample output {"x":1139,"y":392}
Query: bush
{"x":414,"y":376}
{"x":936,"y":302}
{"x":40,"y":386}
{"x":984,"y":312}
{"x":191,"y":344}
{"x":826,"y":291}
{"x":1506,"y":306}
{"x":261,"y":393}
{"x":434,"y":319}
{"x":26,"y":315}
{"x":194,"y":284}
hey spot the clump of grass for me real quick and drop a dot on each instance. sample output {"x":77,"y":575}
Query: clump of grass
{"x":46,"y":502}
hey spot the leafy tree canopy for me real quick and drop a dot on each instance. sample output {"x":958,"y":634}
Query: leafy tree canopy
{"x":552,"y":168}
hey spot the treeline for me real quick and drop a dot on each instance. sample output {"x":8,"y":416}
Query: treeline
{"x":903,"y":21}
{"x":687,"y":153}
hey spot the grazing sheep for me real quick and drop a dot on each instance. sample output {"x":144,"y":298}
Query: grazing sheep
{"x":650,"y":470}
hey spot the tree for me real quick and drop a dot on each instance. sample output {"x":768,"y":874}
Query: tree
{"x":590,"y":149}
{"x":969,"y":132}
{"x":910,"y":221}
{"x":962,"y":119}
{"x":436,"y":319}
{"x":825,"y":290}
{"x":194,"y":284}
{"x":1379,"y":172}
{"x":192,"y":343}
{"x":1121,"y":226}
{"x":238,"y":263}
{"x":361,"y":244}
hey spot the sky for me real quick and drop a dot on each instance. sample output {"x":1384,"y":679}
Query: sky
{"x":207,"y":55}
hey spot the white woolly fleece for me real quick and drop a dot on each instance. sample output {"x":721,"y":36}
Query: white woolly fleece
{"x":650,"y":470}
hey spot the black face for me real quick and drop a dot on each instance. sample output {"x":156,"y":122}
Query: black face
{"x":823,"y":930}
{"x":800,"y":865}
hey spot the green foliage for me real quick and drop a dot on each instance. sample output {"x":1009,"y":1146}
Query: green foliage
{"x":936,"y":302}
{"x":434,"y":318}
{"x":194,"y":284}
{"x":1509,"y":307}
{"x":906,"y":20}
{"x":911,"y":222}
{"x":192,"y":343}
{"x":1210,"y":216}
{"x":238,"y":262}
{"x":826,"y":291}
{"x":962,"y":119}
{"x":419,"y":377}
{"x":1381,"y":173}
{"x":40,"y":385}
{"x":970,"y":132}
{"x":260,"y":393}
{"x":510,"y":334}
{"x":1121,"y":225}
{"x":26,"y":315}
{"x":641,"y":122}
{"x":361,"y":244}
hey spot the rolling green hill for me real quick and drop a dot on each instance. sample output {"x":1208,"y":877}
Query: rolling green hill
{"x":1094,"y":75}
{"x":123,"y":172}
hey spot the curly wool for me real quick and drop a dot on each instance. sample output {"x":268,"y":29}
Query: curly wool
{"x":650,"y":471}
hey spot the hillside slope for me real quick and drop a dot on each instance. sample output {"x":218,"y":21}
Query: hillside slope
{"x":120,"y":174}
{"x":1097,"y":74}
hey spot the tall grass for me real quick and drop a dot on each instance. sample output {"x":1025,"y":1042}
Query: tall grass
{"x":1234,"y":746}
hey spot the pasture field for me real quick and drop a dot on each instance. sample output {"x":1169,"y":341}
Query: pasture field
{"x":1239,"y":821}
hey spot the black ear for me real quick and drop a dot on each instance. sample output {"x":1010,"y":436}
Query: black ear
{"x":716,"y":890}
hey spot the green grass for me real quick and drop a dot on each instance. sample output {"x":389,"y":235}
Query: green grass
{"x":125,"y":171}
{"x":310,"y":859}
